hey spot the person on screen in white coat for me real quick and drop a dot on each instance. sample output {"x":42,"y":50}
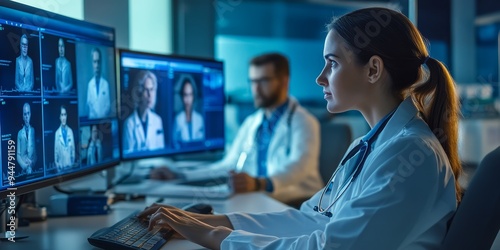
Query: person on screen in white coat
{"x":98,"y":94}
{"x":64,"y":77}
{"x":25,"y":79}
{"x":26,"y":147}
{"x":143,"y":129}
{"x":397,"y":187}
{"x":276,"y":149}
{"x":94,"y":150}
{"x":188,"y":123}
{"x":64,"y":143}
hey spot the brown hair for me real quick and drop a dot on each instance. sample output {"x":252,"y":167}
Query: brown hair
{"x":280,"y":62}
{"x":391,"y":36}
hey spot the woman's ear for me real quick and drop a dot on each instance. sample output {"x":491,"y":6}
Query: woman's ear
{"x":375,"y":68}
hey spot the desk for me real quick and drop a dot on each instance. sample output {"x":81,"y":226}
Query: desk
{"x":72,"y":232}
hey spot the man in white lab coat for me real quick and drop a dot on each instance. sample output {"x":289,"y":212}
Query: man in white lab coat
{"x":276,"y":149}
{"x":26,"y":150}
{"x":98,"y":96}
{"x":143,"y":129}
{"x":64,"y":144}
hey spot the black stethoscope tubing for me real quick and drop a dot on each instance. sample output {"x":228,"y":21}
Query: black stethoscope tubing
{"x":363,"y":144}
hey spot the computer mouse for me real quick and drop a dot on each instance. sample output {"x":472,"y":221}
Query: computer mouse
{"x":200,"y":208}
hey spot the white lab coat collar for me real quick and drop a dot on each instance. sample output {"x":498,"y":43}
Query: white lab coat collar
{"x":138,"y":124}
{"x":260,"y":112}
{"x":281,"y":124}
{"x":404,"y":113}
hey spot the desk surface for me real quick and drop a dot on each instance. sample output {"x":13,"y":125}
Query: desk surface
{"x":72,"y":232}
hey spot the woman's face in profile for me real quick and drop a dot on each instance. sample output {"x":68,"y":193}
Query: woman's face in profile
{"x":188,"y":96}
{"x":342,"y":78}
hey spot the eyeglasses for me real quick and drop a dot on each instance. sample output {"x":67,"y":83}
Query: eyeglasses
{"x":24,"y":44}
{"x":262,"y":81}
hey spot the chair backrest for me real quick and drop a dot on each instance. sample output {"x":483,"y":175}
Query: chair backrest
{"x":335,"y":139}
{"x":477,"y":220}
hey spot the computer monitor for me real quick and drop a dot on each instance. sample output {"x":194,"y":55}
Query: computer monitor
{"x":58,"y":108}
{"x":170,"y":105}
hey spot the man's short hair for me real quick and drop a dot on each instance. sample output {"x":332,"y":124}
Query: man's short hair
{"x":280,"y":62}
{"x":95,"y":49}
{"x":63,"y":107}
{"x":23,"y":36}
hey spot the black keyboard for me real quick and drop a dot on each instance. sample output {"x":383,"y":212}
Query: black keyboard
{"x":130,"y":233}
{"x":209,"y":182}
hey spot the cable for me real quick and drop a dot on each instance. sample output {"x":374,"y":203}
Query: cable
{"x":122,"y":179}
{"x":60,"y":190}
{"x":3,"y":206}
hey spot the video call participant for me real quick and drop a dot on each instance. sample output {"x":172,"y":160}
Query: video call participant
{"x":98,"y":95}
{"x":64,"y":78}
{"x":26,"y":150}
{"x":188,"y":123}
{"x":64,"y":143}
{"x":276,"y":149}
{"x":24,"y":67}
{"x":143,"y":129}
{"x":94,"y":150}
{"x":399,"y":189}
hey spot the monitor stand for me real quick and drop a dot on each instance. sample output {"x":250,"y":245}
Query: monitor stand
{"x":30,"y":210}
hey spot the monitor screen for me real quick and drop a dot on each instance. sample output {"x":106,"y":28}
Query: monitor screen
{"x":58,"y":108}
{"x":170,"y":105}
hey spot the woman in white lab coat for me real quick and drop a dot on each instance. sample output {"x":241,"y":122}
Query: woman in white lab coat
{"x":397,"y":187}
{"x":188,"y":123}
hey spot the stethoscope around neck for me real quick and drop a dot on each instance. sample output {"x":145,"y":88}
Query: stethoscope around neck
{"x":248,"y":147}
{"x":363,"y":148}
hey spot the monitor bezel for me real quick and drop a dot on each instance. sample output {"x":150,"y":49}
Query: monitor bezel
{"x":183,"y":155}
{"x":38,"y":184}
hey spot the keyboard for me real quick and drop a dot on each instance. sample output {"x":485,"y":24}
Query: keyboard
{"x":130,"y":233}
{"x":209,"y":182}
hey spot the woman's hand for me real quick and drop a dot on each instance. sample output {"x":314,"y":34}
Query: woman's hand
{"x":162,"y":173}
{"x":148,"y":211}
{"x":186,"y":225}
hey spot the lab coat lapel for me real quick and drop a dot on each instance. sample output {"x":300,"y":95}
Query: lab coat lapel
{"x":250,"y":144}
{"x":279,"y":138}
{"x":279,"y":135}
{"x":256,"y":124}
{"x":61,"y":138}
{"x":138,"y":131}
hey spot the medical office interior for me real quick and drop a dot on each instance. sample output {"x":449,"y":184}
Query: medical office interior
{"x":463,"y":34}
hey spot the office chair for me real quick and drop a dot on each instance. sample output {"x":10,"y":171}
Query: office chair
{"x":477,"y":219}
{"x":335,"y":139}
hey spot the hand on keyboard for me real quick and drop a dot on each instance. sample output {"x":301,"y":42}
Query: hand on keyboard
{"x":130,"y":233}
{"x":150,"y":212}
{"x":153,"y":227}
{"x":162,"y":173}
{"x":191,"y":226}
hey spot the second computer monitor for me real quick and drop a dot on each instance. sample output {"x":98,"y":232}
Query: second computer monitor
{"x":170,"y":105}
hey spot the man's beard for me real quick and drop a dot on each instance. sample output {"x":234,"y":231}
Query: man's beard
{"x":268,"y":101}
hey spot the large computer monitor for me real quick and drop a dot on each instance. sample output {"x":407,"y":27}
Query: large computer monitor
{"x":58,"y":108}
{"x":170,"y":105}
